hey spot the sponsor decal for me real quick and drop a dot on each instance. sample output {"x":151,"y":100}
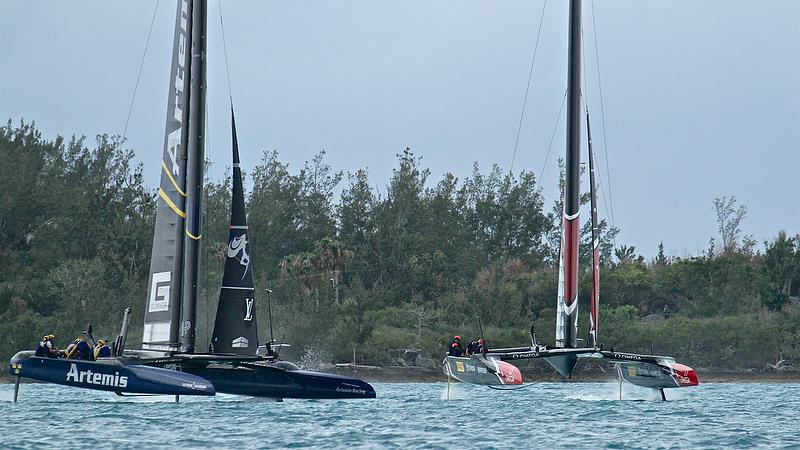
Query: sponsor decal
{"x":350,"y":390}
{"x":174,"y":138}
{"x":89,"y":377}
{"x":625,"y":356}
{"x":195,"y":386}
{"x":524,"y":355}
{"x":482,"y":369}
{"x":237,"y":246}
{"x":459,"y":366}
{"x":187,"y":325}
{"x":248,"y":309}
{"x":240,"y":342}
{"x":159,"y":292}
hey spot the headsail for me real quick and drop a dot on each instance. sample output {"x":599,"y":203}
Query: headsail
{"x":235,"y":327}
{"x":162,"y":310}
{"x":594,"y":301}
{"x":567,"y":320}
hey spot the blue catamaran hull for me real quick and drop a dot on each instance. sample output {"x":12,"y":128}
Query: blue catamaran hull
{"x":109,"y":375}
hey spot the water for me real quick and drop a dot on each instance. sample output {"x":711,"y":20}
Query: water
{"x":544,"y":415}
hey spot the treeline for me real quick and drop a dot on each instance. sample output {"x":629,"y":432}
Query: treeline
{"x":353,"y":267}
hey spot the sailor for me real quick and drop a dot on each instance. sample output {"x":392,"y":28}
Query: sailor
{"x":455,"y":347}
{"x":46,"y":348}
{"x":101,"y":350}
{"x":81,"y":350}
{"x":473,"y":344}
{"x":478,"y":346}
{"x":71,"y":347}
{"x":454,"y":350}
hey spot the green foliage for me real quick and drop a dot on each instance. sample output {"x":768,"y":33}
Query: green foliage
{"x":355,"y":267}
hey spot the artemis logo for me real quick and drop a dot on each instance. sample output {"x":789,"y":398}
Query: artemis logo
{"x":89,"y":377}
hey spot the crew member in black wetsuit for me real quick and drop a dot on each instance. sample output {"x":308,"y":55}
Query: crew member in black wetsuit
{"x":455,"y":347}
{"x":46,"y":348}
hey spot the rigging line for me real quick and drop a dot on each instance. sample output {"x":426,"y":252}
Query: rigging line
{"x":602,"y":115}
{"x":141,"y":66}
{"x":585,"y":98}
{"x":225,"y":51}
{"x":527,"y":87}
{"x":552,"y":138}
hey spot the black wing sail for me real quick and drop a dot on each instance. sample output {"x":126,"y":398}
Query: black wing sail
{"x":235,"y":329}
{"x":162,"y":310}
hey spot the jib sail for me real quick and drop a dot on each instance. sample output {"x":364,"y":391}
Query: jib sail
{"x":235,"y":328}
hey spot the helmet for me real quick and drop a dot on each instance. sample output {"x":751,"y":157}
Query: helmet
{"x":101,"y":342}
{"x":457,"y":337}
{"x":454,"y":345}
{"x":480,"y":341}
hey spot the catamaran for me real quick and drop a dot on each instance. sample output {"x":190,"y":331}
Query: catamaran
{"x":233,"y":363}
{"x":168,"y":362}
{"x":490,"y":367}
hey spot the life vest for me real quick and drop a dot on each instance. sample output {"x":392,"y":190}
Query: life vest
{"x":102,"y":352}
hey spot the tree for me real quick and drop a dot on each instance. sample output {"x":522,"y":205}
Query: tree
{"x":729,"y":217}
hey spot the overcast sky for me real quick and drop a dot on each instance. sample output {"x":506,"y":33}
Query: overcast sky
{"x":701,"y":99}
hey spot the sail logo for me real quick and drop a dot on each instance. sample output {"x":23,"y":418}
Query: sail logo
{"x":237,"y":246}
{"x":159,"y":292}
{"x":240,"y":342}
{"x":174,"y":137}
{"x":248,"y":312}
{"x":89,"y":377}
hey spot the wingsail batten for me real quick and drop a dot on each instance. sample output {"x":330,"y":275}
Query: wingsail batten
{"x":235,"y":326}
{"x":162,"y":311}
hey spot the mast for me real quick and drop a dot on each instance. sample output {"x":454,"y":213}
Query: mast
{"x":594,"y":302}
{"x":235,"y":326}
{"x":162,"y":313}
{"x":567,"y":320}
{"x":194,"y":176}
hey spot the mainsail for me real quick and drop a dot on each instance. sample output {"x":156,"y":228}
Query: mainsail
{"x":162,"y":310}
{"x":235,"y":326}
{"x":567,"y":320}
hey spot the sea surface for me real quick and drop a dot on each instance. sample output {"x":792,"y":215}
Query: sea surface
{"x":413,"y":415}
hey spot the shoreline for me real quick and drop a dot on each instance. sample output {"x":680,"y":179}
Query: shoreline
{"x":413,"y":374}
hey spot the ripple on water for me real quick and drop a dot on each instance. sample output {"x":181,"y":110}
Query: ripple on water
{"x":416,"y":416}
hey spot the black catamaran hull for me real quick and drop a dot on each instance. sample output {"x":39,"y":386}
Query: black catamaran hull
{"x":266,"y":380}
{"x":258,"y":377}
{"x":481,"y":370}
{"x":109,"y":375}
